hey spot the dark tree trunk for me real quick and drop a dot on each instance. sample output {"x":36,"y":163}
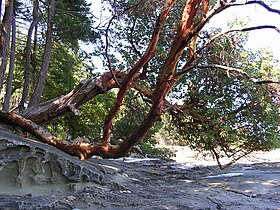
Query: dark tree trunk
{"x":46,"y":59}
{"x":24,"y":99}
{"x":0,"y":9}
{"x":6,"y":104}
{"x":5,"y":39}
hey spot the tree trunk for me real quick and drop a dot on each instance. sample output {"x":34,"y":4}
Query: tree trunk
{"x":88,"y":89}
{"x":166,"y":80}
{"x":46,"y":59}
{"x":82,"y":150}
{"x":6,"y":104}
{"x":0,"y":10}
{"x":85,"y":91}
{"x":24,"y":99}
{"x":5,"y":39}
{"x":136,"y":68}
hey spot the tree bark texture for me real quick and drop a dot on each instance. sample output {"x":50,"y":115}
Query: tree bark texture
{"x":135,"y":70}
{"x":5,"y":39}
{"x":6,"y":104}
{"x":88,"y":89}
{"x":82,"y":150}
{"x":85,"y":91}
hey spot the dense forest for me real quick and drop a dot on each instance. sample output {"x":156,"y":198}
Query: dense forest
{"x":165,"y":73}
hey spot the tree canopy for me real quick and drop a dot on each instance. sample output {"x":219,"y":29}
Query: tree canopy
{"x":165,"y":72}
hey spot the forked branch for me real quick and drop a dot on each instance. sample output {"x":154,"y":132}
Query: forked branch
{"x":135,"y":69}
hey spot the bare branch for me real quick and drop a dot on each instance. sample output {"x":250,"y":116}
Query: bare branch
{"x":136,"y":68}
{"x":107,"y":42}
{"x":185,"y":70}
{"x":85,"y":91}
{"x":235,"y":30}
{"x":240,"y":72}
{"x":261,"y":3}
{"x":219,"y":7}
{"x":107,"y":49}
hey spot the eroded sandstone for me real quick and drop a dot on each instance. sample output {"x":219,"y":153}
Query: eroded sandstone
{"x":34,"y":175}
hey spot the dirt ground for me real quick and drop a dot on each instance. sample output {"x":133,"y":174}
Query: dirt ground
{"x":190,"y":183}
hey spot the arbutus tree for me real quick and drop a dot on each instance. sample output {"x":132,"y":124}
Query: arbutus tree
{"x":183,"y":63}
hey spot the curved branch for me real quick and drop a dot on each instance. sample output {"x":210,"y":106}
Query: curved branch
{"x":84,"y":92}
{"x":236,"y":30}
{"x":219,"y":7}
{"x":186,"y":68}
{"x":136,"y":68}
{"x":81,"y":150}
{"x":261,"y":3}
{"x":107,"y":49}
{"x":240,"y":72}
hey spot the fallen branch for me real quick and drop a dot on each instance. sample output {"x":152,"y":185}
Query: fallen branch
{"x":82,"y":150}
{"x":85,"y":91}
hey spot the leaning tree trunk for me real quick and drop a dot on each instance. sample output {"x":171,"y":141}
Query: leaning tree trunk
{"x":71,"y":101}
{"x":6,"y":104}
{"x":85,"y":91}
{"x":46,"y":59}
{"x":5,"y":39}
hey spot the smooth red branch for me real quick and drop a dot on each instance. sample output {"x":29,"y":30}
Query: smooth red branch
{"x":81,"y":150}
{"x":126,"y":84}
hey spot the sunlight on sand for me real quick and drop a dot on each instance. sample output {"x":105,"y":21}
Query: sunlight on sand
{"x":188,"y":157}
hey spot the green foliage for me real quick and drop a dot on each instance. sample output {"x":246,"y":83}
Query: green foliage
{"x":225,"y":110}
{"x":73,"y":22}
{"x":88,"y":124}
{"x":240,"y":115}
{"x":64,"y":66}
{"x":132,"y":113}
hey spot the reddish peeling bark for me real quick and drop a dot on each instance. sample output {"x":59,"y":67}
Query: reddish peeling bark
{"x":88,"y":89}
{"x":134,"y":71}
{"x":82,"y":150}
{"x":167,"y":79}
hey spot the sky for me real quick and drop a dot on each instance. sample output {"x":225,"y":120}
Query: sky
{"x":257,"y":16}
{"x":265,"y":38}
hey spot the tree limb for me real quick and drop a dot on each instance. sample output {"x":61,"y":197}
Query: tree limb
{"x":85,"y":91}
{"x":240,"y":72}
{"x":261,"y":3}
{"x":107,"y":50}
{"x":135,"y":69}
{"x":82,"y":150}
{"x":231,"y":31}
